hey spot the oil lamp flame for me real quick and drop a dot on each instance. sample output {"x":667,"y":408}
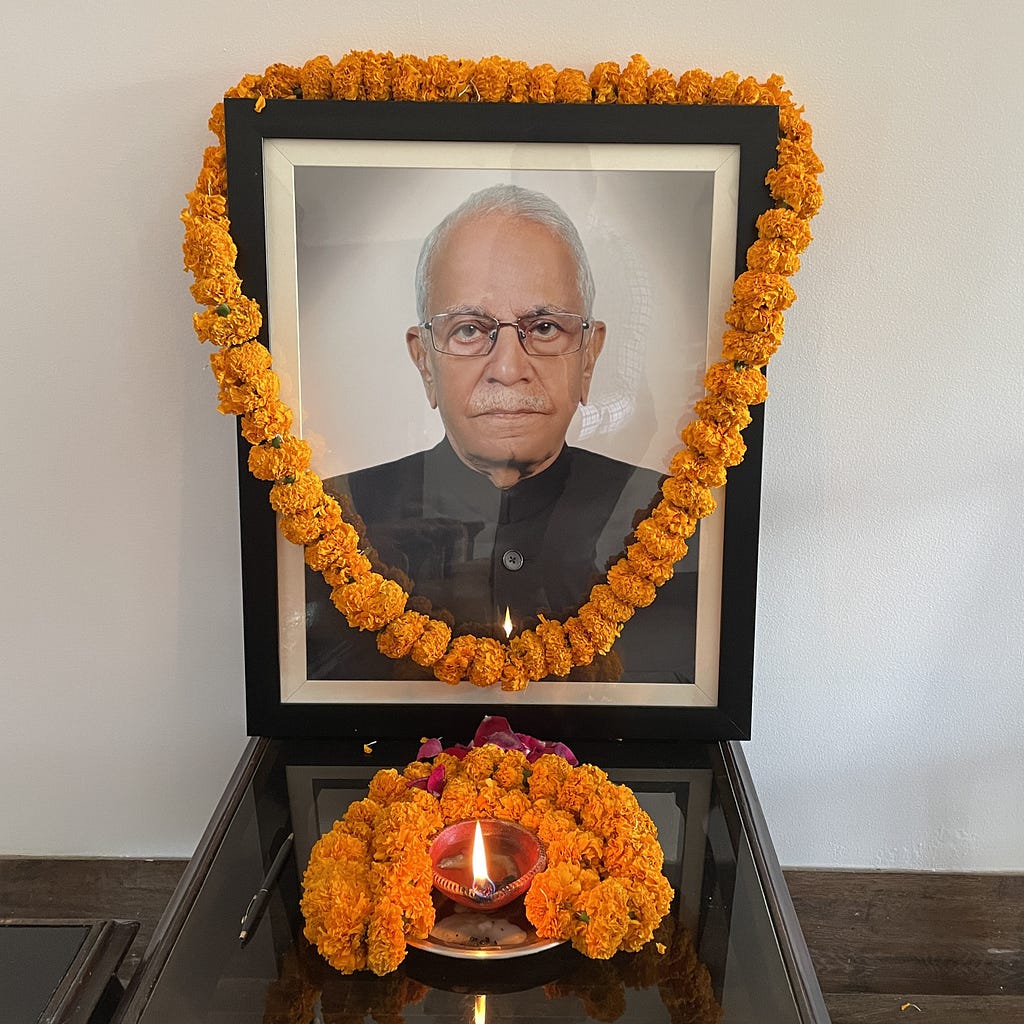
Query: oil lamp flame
{"x":482,"y":884}
{"x":480,"y":1010}
{"x":507,"y":624}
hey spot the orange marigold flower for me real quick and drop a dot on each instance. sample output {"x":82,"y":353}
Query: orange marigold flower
{"x":604,"y":81}
{"x":491,"y":79}
{"x":580,"y":643}
{"x":529,"y":649}
{"x":240,"y":362}
{"x":513,"y":771}
{"x":695,"y":499}
{"x":386,"y":787}
{"x":661,"y":87}
{"x":512,"y":806}
{"x":603,"y":632}
{"x":408,"y":79}
{"x":212,"y":291}
{"x":259,"y":390}
{"x":541,"y":84}
{"x":571,"y":86}
{"x":661,"y":543}
{"x":695,"y":466}
{"x":753,"y":349}
{"x":723,"y":88}
{"x":305,"y":492}
{"x":774,"y":91}
{"x":353,"y":600}
{"x":240,"y":325}
{"x":518,"y":81}
{"x":458,"y":801}
{"x":725,"y":413}
{"x":763,"y":291}
{"x":397,"y":639}
{"x":792,"y":125}
{"x":772,"y":257}
{"x":212,"y":180}
{"x":695,"y":86}
{"x":513,"y":675}
{"x":207,"y":207}
{"x":632,"y":85}
{"x":546,"y":778}
{"x":577,"y":846}
{"x":264,"y":424}
{"x":308,"y":526}
{"x":554,"y":898}
{"x":346,"y":569}
{"x":446,"y":79}
{"x":383,"y":606}
{"x":452,"y":666}
{"x":247,"y":88}
{"x":416,"y":769}
{"x":333,"y":547}
{"x":361,"y":816}
{"x":629,"y":586}
{"x":432,"y":644}
{"x":208,"y":249}
{"x":714,"y":443}
{"x":606,"y":909}
{"x":799,"y":190}
{"x":603,"y":598}
{"x":783,"y":223}
{"x":315,"y":78}
{"x":580,"y":786}
{"x":480,"y":763}
{"x":557,"y":653}
{"x":385,"y":939}
{"x":274,"y":461}
{"x":347,"y":77}
{"x":280,"y":81}
{"x":745,"y":317}
{"x":378,"y":71}
{"x":747,"y":92}
{"x":799,"y":153}
{"x":741,"y":384}
{"x":488,"y":662}
{"x":658,"y":570}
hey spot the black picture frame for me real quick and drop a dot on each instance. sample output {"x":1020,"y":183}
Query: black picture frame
{"x":753,"y":130}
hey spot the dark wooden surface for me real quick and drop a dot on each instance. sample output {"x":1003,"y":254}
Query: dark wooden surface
{"x":888,"y":946}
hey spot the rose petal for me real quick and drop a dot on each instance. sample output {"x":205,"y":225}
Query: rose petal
{"x":436,"y":780}
{"x":491,"y":725}
{"x":431,"y":748}
{"x":459,"y":750}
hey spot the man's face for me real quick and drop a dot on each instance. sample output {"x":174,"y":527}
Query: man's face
{"x":506,"y":413}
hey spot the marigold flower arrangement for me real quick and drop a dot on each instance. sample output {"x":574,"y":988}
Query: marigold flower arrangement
{"x":712,"y":442}
{"x":367,"y":888}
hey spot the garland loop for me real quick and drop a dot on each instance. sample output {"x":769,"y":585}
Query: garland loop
{"x":249,"y":387}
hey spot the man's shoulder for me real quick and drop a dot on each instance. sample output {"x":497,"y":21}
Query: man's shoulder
{"x":612,"y":470}
{"x":408,"y":467}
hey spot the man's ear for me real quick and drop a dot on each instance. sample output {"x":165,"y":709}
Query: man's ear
{"x":591,"y":350}
{"x":421,"y":358}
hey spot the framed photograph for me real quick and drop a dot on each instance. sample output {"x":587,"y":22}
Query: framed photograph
{"x":491,"y":322}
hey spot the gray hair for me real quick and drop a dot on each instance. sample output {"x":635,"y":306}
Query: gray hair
{"x":515,"y":201}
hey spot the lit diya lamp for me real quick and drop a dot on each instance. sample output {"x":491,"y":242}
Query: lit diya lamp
{"x":485,"y":864}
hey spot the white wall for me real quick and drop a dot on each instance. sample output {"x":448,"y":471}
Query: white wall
{"x":888,"y":715}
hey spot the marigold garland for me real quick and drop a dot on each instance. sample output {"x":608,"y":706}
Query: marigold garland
{"x":249,"y":388}
{"x":367,"y":888}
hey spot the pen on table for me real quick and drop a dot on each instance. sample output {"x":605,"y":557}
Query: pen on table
{"x":258,"y":903}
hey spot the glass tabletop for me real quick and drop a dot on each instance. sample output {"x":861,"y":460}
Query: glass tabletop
{"x":730,"y":949}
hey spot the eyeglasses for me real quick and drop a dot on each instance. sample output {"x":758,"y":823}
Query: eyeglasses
{"x":540,"y":334}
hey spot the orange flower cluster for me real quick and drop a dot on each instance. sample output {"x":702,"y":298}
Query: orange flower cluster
{"x":367,"y":887}
{"x":249,"y":387}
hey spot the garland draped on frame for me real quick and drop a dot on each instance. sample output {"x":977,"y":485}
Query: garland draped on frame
{"x":712,"y":441}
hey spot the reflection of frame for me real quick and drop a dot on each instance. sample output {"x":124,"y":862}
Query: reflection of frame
{"x":340,"y":198}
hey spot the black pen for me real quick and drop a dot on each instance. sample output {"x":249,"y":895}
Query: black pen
{"x":258,"y":903}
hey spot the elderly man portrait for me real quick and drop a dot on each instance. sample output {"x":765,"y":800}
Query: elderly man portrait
{"x":502,"y":516}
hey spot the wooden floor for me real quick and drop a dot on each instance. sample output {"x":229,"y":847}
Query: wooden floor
{"x":888,"y":946}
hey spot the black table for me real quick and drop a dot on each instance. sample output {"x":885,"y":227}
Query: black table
{"x":732,"y":949}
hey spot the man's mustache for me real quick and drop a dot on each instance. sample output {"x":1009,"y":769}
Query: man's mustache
{"x":510,"y":400}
